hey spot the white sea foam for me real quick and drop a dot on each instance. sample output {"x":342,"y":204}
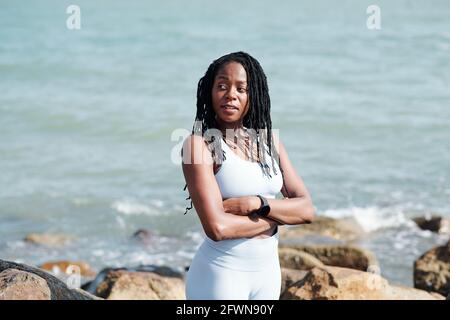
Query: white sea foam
{"x":372,"y":218}
{"x":157,"y":203}
{"x":132,"y":207}
{"x":196,"y":236}
{"x":121,"y":222}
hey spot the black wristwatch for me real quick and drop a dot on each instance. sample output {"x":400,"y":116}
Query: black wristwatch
{"x":265,"y":208}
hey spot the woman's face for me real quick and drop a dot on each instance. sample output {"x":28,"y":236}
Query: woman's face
{"x":230,"y":94}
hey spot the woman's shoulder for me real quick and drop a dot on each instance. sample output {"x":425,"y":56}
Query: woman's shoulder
{"x":195,"y":150}
{"x":194,"y":141}
{"x":276,"y":140}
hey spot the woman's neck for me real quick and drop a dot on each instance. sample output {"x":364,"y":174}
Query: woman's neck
{"x":232,"y":126}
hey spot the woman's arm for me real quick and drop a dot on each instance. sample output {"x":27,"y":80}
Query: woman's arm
{"x":207,"y":200}
{"x":296,"y":208}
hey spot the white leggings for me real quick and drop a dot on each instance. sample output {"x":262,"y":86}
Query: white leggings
{"x":236,"y":269}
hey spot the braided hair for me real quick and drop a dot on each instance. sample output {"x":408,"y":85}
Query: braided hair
{"x":257,"y":117}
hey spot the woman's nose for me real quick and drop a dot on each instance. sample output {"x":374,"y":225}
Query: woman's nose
{"x":231,"y":94}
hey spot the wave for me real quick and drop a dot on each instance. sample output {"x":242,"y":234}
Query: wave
{"x":372,"y":218}
{"x":133,"y":207}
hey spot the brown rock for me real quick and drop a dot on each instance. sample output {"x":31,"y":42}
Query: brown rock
{"x":334,"y":283}
{"x":59,"y":290}
{"x":340,"y":229}
{"x":21,"y":285}
{"x":125,"y":285}
{"x":296,"y":259}
{"x":290,"y":276}
{"x":50,"y":240}
{"x":406,"y":293}
{"x":432,"y":270}
{"x":434,"y":223}
{"x":69,"y":267}
{"x":340,"y":256}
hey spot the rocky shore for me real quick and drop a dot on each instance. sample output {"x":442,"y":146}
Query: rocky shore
{"x":338,"y":270}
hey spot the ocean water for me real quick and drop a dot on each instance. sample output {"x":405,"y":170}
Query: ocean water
{"x":87,"y":116}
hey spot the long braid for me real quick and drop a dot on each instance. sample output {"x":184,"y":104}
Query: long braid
{"x":257,"y":117}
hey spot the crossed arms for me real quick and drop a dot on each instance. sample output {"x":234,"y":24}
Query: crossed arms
{"x":235,"y":217}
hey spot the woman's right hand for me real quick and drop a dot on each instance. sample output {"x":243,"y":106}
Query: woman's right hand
{"x":241,"y":206}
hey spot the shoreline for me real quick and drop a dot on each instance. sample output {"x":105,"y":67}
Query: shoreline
{"x":325,"y":232}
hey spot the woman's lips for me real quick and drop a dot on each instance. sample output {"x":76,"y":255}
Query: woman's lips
{"x":229,"y":109}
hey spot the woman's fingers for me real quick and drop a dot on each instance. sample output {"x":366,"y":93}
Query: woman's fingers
{"x":239,"y":206}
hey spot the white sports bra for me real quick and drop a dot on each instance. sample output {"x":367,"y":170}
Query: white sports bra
{"x":238,"y":177}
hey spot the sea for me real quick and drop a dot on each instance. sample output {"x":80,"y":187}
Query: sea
{"x":96,"y":97}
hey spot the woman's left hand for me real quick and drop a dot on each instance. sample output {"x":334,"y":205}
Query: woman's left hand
{"x":242,"y":206}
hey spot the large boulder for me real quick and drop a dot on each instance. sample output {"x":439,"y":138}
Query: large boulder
{"x":21,"y":285}
{"x":291,"y":276}
{"x":335,"y":283}
{"x":135,"y":285}
{"x":297,"y":259}
{"x":340,"y":256}
{"x":339,"y":229}
{"x":58,"y":289}
{"x":433,"y":223}
{"x":432,"y":270}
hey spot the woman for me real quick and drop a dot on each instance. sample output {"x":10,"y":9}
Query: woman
{"x":234,"y":167}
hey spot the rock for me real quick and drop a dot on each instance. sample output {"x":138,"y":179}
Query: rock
{"x":87,"y":295}
{"x":144,"y":236}
{"x":406,"y":293}
{"x":21,"y":285}
{"x":50,"y":240}
{"x":340,"y":229}
{"x":341,"y":256}
{"x":335,"y":283}
{"x":296,"y":259}
{"x":433,"y":223}
{"x":432,"y":270}
{"x":58,"y":289}
{"x":290,"y":276}
{"x":69,"y":267}
{"x":91,"y":286}
{"x":125,"y":285}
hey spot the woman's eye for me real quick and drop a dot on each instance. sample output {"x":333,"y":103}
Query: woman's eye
{"x":242,"y":89}
{"x":221,"y":86}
